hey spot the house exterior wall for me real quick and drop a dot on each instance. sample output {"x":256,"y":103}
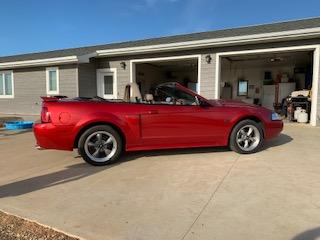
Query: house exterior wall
{"x":68,"y":80}
{"x":207,"y":70}
{"x":123,"y":75}
{"x":30,"y":84}
{"x":87,"y":76}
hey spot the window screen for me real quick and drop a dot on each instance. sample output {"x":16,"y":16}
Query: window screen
{"x":52,"y":80}
{"x":108,"y":84}
{"x":6,"y":85}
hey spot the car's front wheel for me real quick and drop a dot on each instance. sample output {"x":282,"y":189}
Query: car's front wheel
{"x":246,"y":137}
{"x":100,"y":145}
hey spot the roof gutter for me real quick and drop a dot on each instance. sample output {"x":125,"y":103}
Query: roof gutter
{"x":48,"y":61}
{"x":217,"y":42}
{"x":39,"y":62}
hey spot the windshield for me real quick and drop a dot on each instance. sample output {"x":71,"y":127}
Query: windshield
{"x":173,"y":95}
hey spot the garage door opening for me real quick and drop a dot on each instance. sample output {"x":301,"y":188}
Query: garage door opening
{"x":149,"y":73}
{"x":280,"y":81}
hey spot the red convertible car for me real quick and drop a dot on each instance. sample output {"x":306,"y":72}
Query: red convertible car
{"x":172,"y":117}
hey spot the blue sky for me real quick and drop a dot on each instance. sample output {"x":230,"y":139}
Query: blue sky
{"x":40,"y":25}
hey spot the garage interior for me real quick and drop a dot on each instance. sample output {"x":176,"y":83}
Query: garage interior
{"x":278,"y":81}
{"x":152,"y":73}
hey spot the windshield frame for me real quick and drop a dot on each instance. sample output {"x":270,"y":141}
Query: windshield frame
{"x":200,"y":101}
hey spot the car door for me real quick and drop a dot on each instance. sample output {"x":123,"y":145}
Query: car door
{"x":179,"y":125}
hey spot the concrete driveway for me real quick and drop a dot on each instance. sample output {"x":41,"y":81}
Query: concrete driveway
{"x":186,"y":194}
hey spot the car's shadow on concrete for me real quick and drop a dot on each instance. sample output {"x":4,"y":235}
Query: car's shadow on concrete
{"x":68,"y":174}
{"x":312,"y":234}
{"x":169,"y":152}
{"x":82,"y":170}
{"x":282,"y":139}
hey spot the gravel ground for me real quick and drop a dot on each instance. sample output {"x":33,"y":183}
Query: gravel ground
{"x":13,"y":228}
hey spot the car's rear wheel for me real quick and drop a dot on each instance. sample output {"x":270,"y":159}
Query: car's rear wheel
{"x":246,"y":137}
{"x":100,"y":145}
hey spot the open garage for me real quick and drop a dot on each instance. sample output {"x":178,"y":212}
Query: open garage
{"x":148,"y":73}
{"x":282,"y":80}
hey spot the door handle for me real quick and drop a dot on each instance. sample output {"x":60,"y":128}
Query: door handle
{"x":153,"y":112}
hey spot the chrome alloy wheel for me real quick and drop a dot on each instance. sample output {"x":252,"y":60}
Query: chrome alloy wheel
{"x":100,"y":146}
{"x":248,"y":138}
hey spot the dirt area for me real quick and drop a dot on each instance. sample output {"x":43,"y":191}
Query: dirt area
{"x":12,"y":228}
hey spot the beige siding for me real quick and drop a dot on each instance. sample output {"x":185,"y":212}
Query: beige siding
{"x":68,"y":80}
{"x":87,"y":80}
{"x":30,"y":84}
{"x":207,"y":75}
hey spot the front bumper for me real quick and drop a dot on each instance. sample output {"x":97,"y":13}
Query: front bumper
{"x":49,"y":136}
{"x":273,"y":129}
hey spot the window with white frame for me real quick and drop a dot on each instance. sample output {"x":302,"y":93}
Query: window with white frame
{"x":52,"y":80}
{"x":6,"y":84}
{"x":107,"y":83}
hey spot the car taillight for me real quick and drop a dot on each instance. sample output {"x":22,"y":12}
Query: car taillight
{"x":45,"y":115}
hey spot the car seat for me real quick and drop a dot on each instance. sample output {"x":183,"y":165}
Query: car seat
{"x":132,"y":93}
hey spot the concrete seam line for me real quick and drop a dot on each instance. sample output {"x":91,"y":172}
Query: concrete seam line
{"x":43,"y":225}
{"x":211,"y":197}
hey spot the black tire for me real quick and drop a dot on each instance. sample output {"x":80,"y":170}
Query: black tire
{"x":85,"y":145}
{"x":236,"y":134}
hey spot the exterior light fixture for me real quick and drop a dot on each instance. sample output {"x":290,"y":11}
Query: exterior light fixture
{"x":123,"y":65}
{"x":208,"y":59}
{"x":276,"y":59}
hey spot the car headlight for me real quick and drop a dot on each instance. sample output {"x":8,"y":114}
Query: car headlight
{"x":275,"y":117}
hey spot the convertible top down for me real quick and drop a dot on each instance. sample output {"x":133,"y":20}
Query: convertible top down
{"x":172,"y":116}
